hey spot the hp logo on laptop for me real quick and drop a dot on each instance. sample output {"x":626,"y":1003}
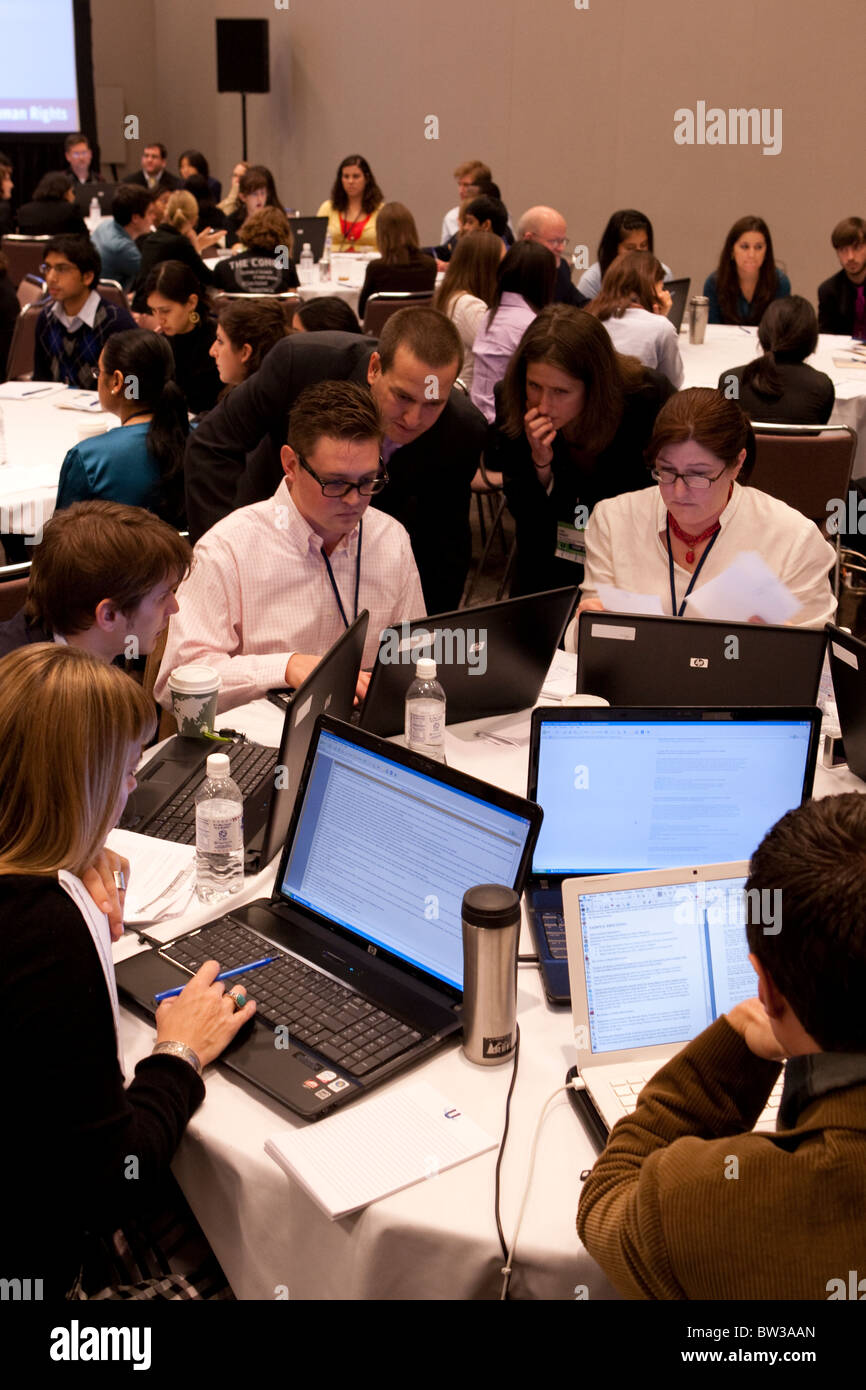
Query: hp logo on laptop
{"x":700,"y":662}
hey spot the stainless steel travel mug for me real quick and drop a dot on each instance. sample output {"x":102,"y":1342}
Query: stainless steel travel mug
{"x":699,"y":316}
{"x":491,"y":927}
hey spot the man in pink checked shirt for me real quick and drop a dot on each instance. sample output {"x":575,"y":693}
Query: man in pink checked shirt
{"x":274,"y":584}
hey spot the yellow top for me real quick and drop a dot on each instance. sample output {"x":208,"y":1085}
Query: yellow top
{"x":367,"y":241}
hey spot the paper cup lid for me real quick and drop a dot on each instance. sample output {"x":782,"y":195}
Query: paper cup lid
{"x":195,"y":679}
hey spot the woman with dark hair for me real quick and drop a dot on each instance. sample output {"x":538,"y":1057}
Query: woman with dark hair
{"x":633,"y":305}
{"x":467,"y":290}
{"x":328,"y":314}
{"x":264,"y":265}
{"x":256,"y":190}
{"x":525,"y":282}
{"x":175,"y":239}
{"x":53,"y":210}
{"x":573,"y":419}
{"x":403,"y":265}
{"x":193,"y":162}
{"x":141,"y":463}
{"x":245,"y":332}
{"x":353,"y":206}
{"x":779,"y":387}
{"x":178,"y":302}
{"x":210,"y":218}
{"x":671,"y":539}
{"x":626,"y":230}
{"x":747,"y":278}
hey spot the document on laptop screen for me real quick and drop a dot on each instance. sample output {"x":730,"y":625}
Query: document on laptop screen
{"x":627,"y":795}
{"x":662,"y":963}
{"x":389,"y":852}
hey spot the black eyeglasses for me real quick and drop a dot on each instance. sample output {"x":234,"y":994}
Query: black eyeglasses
{"x":338,"y":487}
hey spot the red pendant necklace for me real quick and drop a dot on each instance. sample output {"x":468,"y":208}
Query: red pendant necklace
{"x":692,"y":541}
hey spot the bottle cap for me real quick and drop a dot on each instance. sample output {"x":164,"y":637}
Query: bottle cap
{"x":425,"y":668}
{"x":217,"y":766}
{"x":306,"y":247}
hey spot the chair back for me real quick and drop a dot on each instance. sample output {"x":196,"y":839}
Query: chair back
{"x":30,"y":290}
{"x":113,"y":292}
{"x":289,"y":301}
{"x":22,"y":349}
{"x":380,"y":307}
{"x":13,"y":592}
{"x":804,"y":465}
{"x":24,"y":253}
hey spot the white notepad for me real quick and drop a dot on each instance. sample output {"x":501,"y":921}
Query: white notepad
{"x":384,"y":1144}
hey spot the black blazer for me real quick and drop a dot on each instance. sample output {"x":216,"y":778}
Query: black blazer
{"x":415,"y":277}
{"x":165,"y":244}
{"x":807,"y":399}
{"x":165,"y":180}
{"x":233,"y":458}
{"x":836,"y":299}
{"x":53,"y":218}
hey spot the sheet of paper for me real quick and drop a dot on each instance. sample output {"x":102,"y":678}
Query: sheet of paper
{"x":87,"y":401}
{"x":560,"y":678}
{"x":378,"y":1146}
{"x":30,"y":390}
{"x":621,"y":601}
{"x":161,"y":879}
{"x":748,"y":588}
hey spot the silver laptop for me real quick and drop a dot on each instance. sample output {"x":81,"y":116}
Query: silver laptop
{"x":653,"y":959}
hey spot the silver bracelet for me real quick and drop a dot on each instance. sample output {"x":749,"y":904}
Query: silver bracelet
{"x":178,"y":1049}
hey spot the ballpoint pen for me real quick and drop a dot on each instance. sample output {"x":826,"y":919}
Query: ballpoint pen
{"x":223,"y":975}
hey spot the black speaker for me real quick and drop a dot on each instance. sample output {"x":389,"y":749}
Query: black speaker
{"x":242,"y":55}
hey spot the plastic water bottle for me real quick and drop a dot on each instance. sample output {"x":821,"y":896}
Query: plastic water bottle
{"x":425,"y":712}
{"x":219,"y":833}
{"x":325,"y":262}
{"x":306,"y":264}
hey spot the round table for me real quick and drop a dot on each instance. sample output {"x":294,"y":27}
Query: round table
{"x":39,"y":434}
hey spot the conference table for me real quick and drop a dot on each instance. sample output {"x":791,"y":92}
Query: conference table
{"x":437,"y":1239}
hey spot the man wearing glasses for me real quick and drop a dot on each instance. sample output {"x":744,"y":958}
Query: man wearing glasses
{"x":275,"y":583}
{"x":547,"y":226}
{"x":74,"y":327}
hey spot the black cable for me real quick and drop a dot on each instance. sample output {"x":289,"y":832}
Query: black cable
{"x":500,"y":1232}
{"x":528,"y":960}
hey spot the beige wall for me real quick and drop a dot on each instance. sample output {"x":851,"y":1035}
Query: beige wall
{"x":573,"y":107}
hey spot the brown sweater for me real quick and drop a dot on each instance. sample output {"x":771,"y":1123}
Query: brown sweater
{"x":663,"y":1214}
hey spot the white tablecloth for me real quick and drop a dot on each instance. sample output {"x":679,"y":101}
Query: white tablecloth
{"x":38,"y":437}
{"x":437,"y":1239}
{"x":726,"y":346}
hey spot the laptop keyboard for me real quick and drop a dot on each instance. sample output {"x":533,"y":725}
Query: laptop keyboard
{"x":554,"y":932}
{"x":320,"y":1013}
{"x":250,"y":762}
{"x":628,"y":1090}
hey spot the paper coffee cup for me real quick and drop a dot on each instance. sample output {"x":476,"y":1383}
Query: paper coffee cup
{"x":194,"y":691}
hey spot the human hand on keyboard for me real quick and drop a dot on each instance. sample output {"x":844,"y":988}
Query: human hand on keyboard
{"x":203,"y":1015}
{"x":751,"y":1021}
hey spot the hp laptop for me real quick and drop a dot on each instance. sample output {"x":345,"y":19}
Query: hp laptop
{"x":654,"y":958}
{"x":163,"y":804}
{"x":633,"y":789}
{"x":490,"y":660}
{"x":847,"y":656}
{"x":679,"y":293}
{"x":311,"y":230}
{"x":680,"y":661}
{"x":364,"y":920}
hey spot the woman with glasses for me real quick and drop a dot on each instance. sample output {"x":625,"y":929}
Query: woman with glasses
{"x":670,"y":539}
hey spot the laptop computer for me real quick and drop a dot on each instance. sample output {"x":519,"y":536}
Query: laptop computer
{"x":679,"y":293}
{"x":102,"y":192}
{"x":654,"y":958}
{"x":490,"y":660}
{"x":847,"y":656}
{"x":163,"y":804}
{"x":311,"y":230}
{"x":364,"y":920}
{"x":634,"y":789}
{"x":638,"y":660}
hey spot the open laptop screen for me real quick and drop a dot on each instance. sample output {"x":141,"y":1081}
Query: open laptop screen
{"x":658,"y":792}
{"x":662,"y":962}
{"x":388,"y":852}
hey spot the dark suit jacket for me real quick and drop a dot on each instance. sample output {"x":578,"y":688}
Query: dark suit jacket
{"x":565,"y":291}
{"x":166,"y":180}
{"x":18,"y":631}
{"x":233,"y":458}
{"x":836,"y":298}
{"x":52,"y":218}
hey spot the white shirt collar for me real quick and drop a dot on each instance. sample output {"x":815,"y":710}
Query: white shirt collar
{"x":297,"y":528}
{"x":86,"y":314}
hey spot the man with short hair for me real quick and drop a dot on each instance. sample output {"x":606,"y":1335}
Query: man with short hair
{"x":686,"y":1201}
{"x":842,"y":298}
{"x":79,"y":157}
{"x":471,"y":177}
{"x":153,"y":174}
{"x":102,"y":578}
{"x":433,"y":436}
{"x":115,"y":237}
{"x":72,"y":330}
{"x":547,"y":226}
{"x":275,"y":583}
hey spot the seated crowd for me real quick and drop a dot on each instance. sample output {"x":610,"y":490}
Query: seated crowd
{"x":325,"y":471}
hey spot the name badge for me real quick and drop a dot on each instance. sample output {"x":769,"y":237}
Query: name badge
{"x":570,"y":543}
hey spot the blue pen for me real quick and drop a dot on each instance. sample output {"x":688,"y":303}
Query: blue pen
{"x":223,"y":975}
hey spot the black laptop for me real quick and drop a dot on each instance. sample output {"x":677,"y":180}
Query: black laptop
{"x":679,"y":293}
{"x":633,"y":789}
{"x":847,"y":656}
{"x":309,"y":230}
{"x":642,"y":660}
{"x":102,"y":192}
{"x":364,"y":919}
{"x":490,"y":660}
{"x":163,"y":804}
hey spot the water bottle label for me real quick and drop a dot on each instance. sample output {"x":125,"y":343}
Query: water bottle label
{"x":425,"y":726}
{"x":220,"y":833}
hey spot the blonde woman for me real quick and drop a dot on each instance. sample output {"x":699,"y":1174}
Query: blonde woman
{"x":71,"y":730}
{"x":175,"y":239}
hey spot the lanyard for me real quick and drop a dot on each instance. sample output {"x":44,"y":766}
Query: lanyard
{"x":350,"y":234}
{"x":357,"y":578}
{"x":678,"y":613}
